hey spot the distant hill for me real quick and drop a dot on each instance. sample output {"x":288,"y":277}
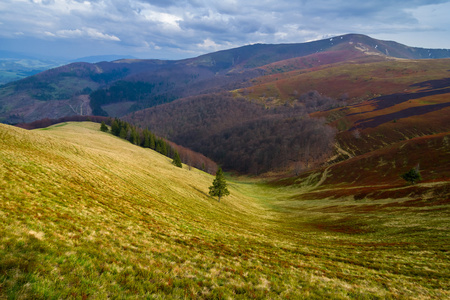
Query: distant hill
{"x":262,"y":54}
{"x":15,"y":66}
{"x":65,"y":90}
{"x":100,"y":58}
{"x":241,"y":135}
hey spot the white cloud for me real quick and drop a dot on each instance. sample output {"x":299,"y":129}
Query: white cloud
{"x":84,"y":32}
{"x":50,"y":34}
{"x":208,"y":44}
{"x":167,"y":21}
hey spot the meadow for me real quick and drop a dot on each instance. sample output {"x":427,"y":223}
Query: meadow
{"x":86,"y":215}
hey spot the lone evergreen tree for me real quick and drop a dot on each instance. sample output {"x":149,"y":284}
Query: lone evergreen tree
{"x":412,"y":176}
{"x":219,"y":187}
{"x":176,"y":160}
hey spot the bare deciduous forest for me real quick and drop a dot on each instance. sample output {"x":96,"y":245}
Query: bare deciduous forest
{"x":242,"y":135}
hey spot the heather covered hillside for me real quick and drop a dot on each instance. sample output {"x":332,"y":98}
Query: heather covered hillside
{"x":282,"y":125}
{"x":354,"y":81}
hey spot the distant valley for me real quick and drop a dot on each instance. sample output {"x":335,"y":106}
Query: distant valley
{"x":15,"y":66}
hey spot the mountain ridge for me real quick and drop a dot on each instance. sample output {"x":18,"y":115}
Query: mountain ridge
{"x":60,"y":88}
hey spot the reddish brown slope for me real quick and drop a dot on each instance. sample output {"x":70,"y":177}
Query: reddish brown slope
{"x":384,"y":136}
{"x":357,"y":81}
{"x":376,"y":175}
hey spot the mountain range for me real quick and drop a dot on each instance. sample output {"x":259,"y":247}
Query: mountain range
{"x":249,"y":107}
{"x":63,"y":90}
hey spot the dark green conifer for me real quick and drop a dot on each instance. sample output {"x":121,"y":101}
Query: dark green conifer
{"x":412,"y":176}
{"x":177,"y":160}
{"x":103,"y":127}
{"x":152,"y":141}
{"x":133,"y":136}
{"x":158,"y":146}
{"x":123,"y":133}
{"x":219,"y":187}
{"x":146,"y":139}
{"x":161,"y":146}
{"x":115,"y":128}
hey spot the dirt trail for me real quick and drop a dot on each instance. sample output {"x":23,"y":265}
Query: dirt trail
{"x":322,"y":178}
{"x":325,"y":172}
{"x":342,"y":151}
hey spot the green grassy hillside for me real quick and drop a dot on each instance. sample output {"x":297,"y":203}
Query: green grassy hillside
{"x":86,"y":215}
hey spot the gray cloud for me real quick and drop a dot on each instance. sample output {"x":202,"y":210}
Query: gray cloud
{"x":185,"y":28}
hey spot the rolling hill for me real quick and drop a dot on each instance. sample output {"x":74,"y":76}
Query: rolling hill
{"x":84,"y":214}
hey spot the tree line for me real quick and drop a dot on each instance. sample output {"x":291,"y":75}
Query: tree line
{"x":146,"y":139}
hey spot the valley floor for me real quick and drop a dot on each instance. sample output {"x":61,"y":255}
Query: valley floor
{"x":86,"y":215}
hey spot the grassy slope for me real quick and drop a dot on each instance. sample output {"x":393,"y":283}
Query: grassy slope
{"x":86,"y":215}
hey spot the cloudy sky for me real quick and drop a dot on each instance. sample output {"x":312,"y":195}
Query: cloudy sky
{"x":175,"y":29}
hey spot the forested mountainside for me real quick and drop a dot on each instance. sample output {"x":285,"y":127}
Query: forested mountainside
{"x":242,"y":135}
{"x":269,"y":126}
